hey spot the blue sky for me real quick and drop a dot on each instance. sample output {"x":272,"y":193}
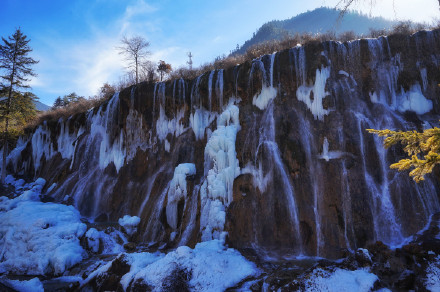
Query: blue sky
{"x":75,"y":41}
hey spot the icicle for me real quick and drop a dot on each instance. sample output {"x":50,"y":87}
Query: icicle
{"x":268,"y":92}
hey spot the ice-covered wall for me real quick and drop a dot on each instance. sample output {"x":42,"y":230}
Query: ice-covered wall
{"x":270,"y":154}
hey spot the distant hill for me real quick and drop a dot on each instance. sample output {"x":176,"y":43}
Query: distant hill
{"x":320,"y":20}
{"x":41,"y":106}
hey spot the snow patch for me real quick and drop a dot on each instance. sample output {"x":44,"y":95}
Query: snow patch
{"x":32,"y":285}
{"x":340,"y":280}
{"x":432,"y":281}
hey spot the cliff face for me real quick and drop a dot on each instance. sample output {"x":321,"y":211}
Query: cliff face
{"x":274,"y":151}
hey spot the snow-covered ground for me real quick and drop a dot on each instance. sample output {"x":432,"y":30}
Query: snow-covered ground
{"x":341,"y":280}
{"x":47,"y":239}
{"x":433,"y":275}
{"x":38,"y":238}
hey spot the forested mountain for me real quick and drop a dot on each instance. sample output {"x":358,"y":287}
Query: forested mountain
{"x":320,"y":20}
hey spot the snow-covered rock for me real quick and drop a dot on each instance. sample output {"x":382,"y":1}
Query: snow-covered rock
{"x":38,"y":238}
{"x":210,"y":266}
{"x":129,"y":223}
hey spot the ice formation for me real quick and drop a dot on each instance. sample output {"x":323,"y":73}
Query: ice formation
{"x":314,"y":103}
{"x":260,"y":180}
{"x":102,"y":124}
{"x":177,"y":191}
{"x":65,"y":140}
{"x":136,"y":136}
{"x":15,"y":154}
{"x":167,"y":146}
{"x":414,"y":100}
{"x":41,"y":145}
{"x":221,"y":168}
{"x":342,"y":72}
{"x":328,"y":155}
{"x":164,"y":126}
{"x":268,"y":92}
{"x":199,"y":121}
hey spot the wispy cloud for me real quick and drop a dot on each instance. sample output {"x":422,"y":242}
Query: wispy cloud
{"x":85,"y":65}
{"x":138,"y":8}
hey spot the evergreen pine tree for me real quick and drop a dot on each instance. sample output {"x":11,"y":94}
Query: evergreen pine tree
{"x":422,"y":148}
{"x":15,"y":66}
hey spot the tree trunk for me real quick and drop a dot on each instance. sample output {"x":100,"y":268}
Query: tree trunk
{"x":8,"y":109}
{"x":136,"y":63}
{"x":5,"y":135}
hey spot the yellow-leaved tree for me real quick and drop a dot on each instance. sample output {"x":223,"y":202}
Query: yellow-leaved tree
{"x":422,"y":148}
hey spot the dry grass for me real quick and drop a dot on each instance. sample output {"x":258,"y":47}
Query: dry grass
{"x":81,"y":106}
{"x":225,"y":62}
{"x":289,"y":41}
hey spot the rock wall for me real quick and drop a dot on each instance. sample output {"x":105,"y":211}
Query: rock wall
{"x":283,"y":163}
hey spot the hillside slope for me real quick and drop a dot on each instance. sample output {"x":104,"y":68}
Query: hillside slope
{"x":320,"y":20}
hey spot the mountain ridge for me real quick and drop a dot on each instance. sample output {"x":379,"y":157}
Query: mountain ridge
{"x":315,"y":21}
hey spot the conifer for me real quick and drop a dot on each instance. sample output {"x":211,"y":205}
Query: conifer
{"x":15,"y":67}
{"x":422,"y":148}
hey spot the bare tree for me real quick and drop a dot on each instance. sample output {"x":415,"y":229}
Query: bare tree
{"x":148,"y":71}
{"x":136,"y":51}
